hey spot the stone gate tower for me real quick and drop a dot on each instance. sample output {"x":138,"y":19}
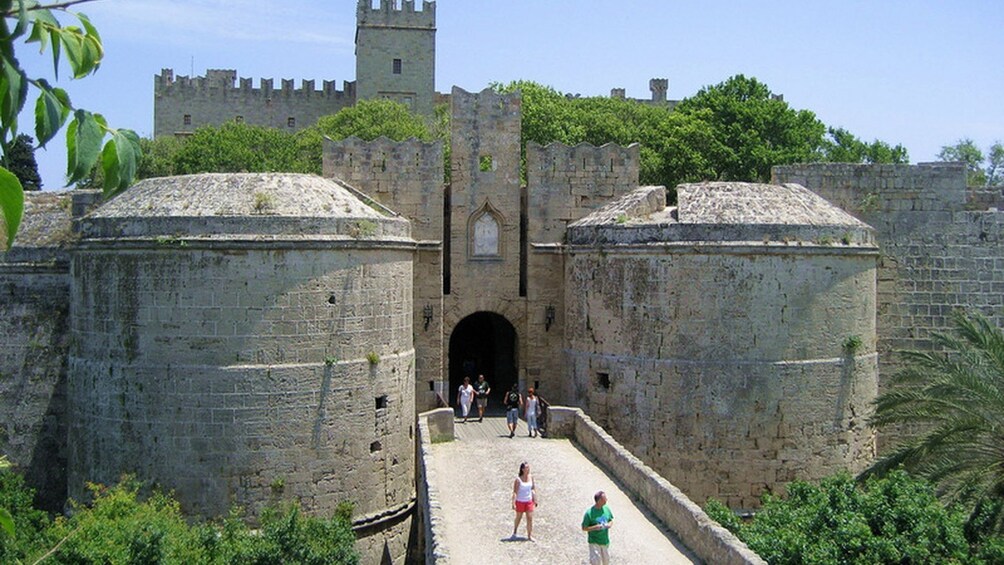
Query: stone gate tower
{"x":396,"y":53}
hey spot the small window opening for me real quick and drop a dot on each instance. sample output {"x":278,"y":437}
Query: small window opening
{"x":536,"y":385}
{"x":603,"y":380}
{"x":381,"y":402}
{"x":291,"y":122}
{"x":397,"y":66}
{"x":486,"y":163}
{"x":432,"y":386}
{"x":187,"y":119}
{"x":375,"y":446}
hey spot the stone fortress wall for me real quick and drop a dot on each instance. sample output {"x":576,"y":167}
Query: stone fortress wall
{"x":182,"y":104}
{"x":709,"y":338}
{"x":407,"y":177}
{"x":940,"y":244}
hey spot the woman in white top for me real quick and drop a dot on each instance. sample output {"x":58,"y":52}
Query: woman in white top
{"x":532,"y":410}
{"x":524,"y":499}
{"x":465,"y":396}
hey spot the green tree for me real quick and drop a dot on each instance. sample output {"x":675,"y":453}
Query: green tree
{"x":841,"y":146}
{"x":758,"y":129}
{"x":20,"y":160}
{"x":29,"y":21}
{"x":955,"y":395}
{"x":896,"y":519}
{"x":995,"y":164}
{"x":966,"y":151}
{"x":234,"y":148}
{"x":367,"y":120}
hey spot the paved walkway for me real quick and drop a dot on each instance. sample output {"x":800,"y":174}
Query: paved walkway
{"x":475,"y":474}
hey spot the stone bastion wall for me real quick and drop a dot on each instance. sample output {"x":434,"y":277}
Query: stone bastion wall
{"x":941,"y":244}
{"x":716,"y":352}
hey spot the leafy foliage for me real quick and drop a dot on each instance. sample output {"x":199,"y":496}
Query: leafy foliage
{"x":34,"y":22}
{"x":735,"y":130}
{"x":23,"y":526}
{"x":841,"y":146}
{"x":20,"y":160}
{"x":237,"y":148}
{"x":966,"y":151}
{"x":367,"y":120}
{"x":956,"y":394}
{"x":894,"y":519}
{"x":121,"y":526}
{"x":758,"y":129}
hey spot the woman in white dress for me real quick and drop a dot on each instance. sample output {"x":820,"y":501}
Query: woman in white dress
{"x":465,"y":396}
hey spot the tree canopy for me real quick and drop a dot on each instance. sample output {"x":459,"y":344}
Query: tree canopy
{"x":20,"y":160}
{"x":234,"y":148}
{"x":78,"y":47}
{"x":735,"y":130}
{"x":966,"y":151}
{"x":367,"y":120}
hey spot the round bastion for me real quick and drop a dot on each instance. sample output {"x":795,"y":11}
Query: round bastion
{"x":244,"y":339}
{"x":728,"y":341}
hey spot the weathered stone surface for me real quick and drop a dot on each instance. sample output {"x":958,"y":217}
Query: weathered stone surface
{"x":240,"y":369}
{"x":711,"y":351}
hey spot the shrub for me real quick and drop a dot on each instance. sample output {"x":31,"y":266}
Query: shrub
{"x":121,"y":527}
{"x":29,"y":524}
{"x":895,"y":519}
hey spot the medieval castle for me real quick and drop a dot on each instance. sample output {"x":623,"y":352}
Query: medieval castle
{"x":213,"y":333}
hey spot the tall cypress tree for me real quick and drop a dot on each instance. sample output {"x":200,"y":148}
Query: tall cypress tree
{"x":20,"y":160}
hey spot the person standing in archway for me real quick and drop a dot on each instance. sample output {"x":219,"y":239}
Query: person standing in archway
{"x":465,"y":396}
{"x":532,"y":411}
{"x":513,"y":404}
{"x":483,"y":390}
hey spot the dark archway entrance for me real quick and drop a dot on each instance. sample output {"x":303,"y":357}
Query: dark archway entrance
{"x":483,"y":343}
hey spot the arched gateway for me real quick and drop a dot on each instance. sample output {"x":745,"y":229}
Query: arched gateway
{"x":483,"y":343}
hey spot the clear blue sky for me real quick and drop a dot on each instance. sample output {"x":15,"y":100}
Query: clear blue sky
{"x":923,"y":73}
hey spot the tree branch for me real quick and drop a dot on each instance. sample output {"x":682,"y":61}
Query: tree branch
{"x":60,"y":6}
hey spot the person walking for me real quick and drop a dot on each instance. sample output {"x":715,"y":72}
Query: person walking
{"x":513,"y":404}
{"x":483,"y":390}
{"x":531,"y":412}
{"x":465,"y":396}
{"x":524,"y":499}
{"x":597,"y":523}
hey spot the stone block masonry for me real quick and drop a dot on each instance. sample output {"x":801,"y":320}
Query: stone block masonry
{"x":940,"y":246}
{"x":183,"y":104}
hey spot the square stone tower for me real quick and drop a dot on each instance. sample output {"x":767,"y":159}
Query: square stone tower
{"x":396,"y":53}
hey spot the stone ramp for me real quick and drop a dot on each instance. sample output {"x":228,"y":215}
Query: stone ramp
{"x":474,"y":479}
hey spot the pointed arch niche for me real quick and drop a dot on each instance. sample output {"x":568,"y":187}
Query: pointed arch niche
{"x":484,"y":234}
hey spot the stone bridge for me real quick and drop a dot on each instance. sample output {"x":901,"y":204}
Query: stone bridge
{"x":465,"y":478}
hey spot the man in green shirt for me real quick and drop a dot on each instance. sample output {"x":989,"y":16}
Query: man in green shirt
{"x":597,"y":522}
{"x":483,"y":390}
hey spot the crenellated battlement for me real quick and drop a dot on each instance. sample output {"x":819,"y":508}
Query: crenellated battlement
{"x":225,"y":81}
{"x":396,"y":13}
{"x":565,"y":183}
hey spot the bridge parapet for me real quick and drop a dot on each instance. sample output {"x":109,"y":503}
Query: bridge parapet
{"x":702,"y":535}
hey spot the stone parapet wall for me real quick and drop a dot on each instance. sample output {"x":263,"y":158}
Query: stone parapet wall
{"x":937,"y":254}
{"x":567,"y":183}
{"x":433,"y":426}
{"x":702,"y":535}
{"x":183,"y":104}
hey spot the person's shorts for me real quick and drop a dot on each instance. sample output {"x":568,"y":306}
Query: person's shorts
{"x":524,"y":506}
{"x":482,"y":401}
{"x":512,"y":416}
{"x":599,"y":554}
